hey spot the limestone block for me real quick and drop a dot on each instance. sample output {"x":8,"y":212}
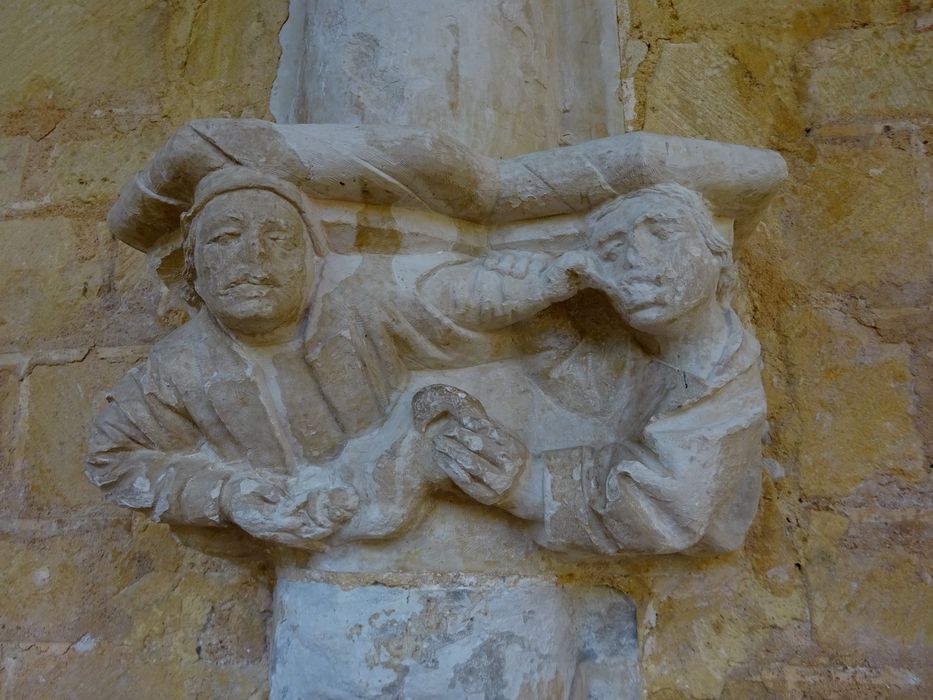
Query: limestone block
{"x":74,"y":566}
{"x":9,"y":403}
{"x":89,"y":170}
{"x":473,"y":72}
{"x":848,"y":440}
{"x":97,"y":604}
{"x":868,"y":583}
{"x":146,"y":617}
{"x":88,"y":670}
{"x":816,"y":678}
{"x":49,"y":280}
{"x":694,"y":92}
{"x":56,"y":428}
{"x":488,"y":638}
{"x":703,"y":625}
{"x":871,"y":72}
{"x":13,"y":152}
{"x":54,"y":51}
{"x":859,"y":212}
{"x":138,"y":307}
{"x":223,"y":56}
{"x":799,"y":17}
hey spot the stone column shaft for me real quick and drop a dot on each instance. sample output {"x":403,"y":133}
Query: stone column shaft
{"x":504,"y":76}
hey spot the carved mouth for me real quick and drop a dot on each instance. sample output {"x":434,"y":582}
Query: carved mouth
{"x":253,"y":289}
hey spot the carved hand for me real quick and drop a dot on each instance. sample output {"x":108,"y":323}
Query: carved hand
{"x":479,"y":455}
{"x":568,"y":274}
{"x":266,"y":507}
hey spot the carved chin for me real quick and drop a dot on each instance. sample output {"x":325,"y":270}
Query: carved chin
{"x":252,"y":313}
{"x":650,"y":316}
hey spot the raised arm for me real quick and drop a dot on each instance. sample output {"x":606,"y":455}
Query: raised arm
{"x":503,"y":287}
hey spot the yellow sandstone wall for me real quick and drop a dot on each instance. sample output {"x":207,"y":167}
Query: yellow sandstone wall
{"x":97,"y":603}
{"x":831,"y":596}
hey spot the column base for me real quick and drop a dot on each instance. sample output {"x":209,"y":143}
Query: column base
{"x":466,"y":637}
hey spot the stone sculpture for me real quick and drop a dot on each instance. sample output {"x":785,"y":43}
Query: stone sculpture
{"x":560,"y":346}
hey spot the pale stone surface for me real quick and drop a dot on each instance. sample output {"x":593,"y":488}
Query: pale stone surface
{"x":259,"y":264}
{"x":474,"y":72}
{"x":592,"y":380}
{"x":492,"y":637}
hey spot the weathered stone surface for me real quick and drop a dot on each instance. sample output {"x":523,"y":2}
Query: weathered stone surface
{"x":837,"y":364}
{"x":496,"y":637}
{"x":57,"y":423}
{"x":50,"y":275}
{"x":13,"y":153}
{"x":51,"y":569}
{"x":199,"y":620}
{"x":674,"y":105}
{"x":868,"y":582}
{"x":72,"y":63}
{"x":36,"y":670}
{"x":10,"y":484}
{"x":871,"y":72}
{"x":801,"y":15}
{"x":138,"y":307}
{"x":692,"y":647}
{"x":860,"y":212}
{"x":474,"y":72}
{"x":222,"y":57}
{"x":89,"y":170}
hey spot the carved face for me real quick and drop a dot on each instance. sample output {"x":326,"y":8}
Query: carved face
{"x":251,"y":258}
{"x":654,"y":260}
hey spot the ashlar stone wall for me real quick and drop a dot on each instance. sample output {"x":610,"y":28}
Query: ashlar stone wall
{"x":97,"y":603}
{"x":832,"y":593}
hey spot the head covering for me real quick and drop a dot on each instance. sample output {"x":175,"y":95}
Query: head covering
{"x":235,"y":178}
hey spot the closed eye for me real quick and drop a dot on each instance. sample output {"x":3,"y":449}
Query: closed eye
{"x":611,"y":252}
{"x":224,"y":236}
{"x":282,"y":238}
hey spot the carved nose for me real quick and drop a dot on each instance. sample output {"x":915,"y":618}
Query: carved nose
{"x":253,"y":248}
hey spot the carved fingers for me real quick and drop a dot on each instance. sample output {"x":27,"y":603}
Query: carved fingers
{"x":516,"y":263}
{"x":569,"y":273}
{"x":479,"y":456}
{"x":268,"y":509}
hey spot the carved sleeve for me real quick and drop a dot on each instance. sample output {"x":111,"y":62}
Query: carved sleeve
{"x":690,"y":484}
{"x":146,"y":454}
{"x":493,"y":292}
